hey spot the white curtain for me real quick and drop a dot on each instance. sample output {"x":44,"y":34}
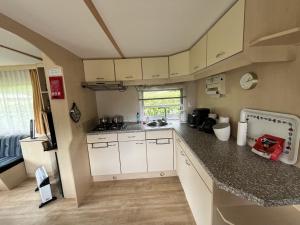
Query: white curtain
{"x":16,"y":102}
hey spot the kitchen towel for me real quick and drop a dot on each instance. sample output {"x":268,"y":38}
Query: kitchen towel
{"x":242,"y":134}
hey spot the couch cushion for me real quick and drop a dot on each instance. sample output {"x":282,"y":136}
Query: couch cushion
{"x":10,"y":146}
{"x":9,"y":162}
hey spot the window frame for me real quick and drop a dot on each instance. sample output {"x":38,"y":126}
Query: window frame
{"x":153,"y":89}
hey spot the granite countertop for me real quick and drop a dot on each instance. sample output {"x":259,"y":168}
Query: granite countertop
{"x":239,"y":171}
{"x":236,"y":169}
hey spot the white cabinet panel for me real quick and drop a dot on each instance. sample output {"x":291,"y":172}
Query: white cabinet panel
{"x":157,"y":134}
{"x":155,"y":68}
{"x":160,"y":155}
{"x":179,"y":64}
{"x":199,"y":197}
{"x":95,"y":138}
{"x":227,"y":36}
{"x":133,"y":156}
{"x":132,"y":136}
{"x":198,"y":55}
{"x":128,"y":69}
{"x":104,"y":159}
{"x":99,"y":70}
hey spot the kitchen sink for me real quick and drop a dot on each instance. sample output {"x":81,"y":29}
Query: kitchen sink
{"x":157,"y":123}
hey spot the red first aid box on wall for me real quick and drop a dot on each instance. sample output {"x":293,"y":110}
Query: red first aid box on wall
{"x":56,"y":87}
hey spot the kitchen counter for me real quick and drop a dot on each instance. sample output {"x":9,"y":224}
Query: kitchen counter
{"x":239,"y":171}
{"x":236,"y":169}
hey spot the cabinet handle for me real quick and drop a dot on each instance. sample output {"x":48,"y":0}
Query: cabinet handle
{"x":101,"y":138}
{"x":196,"y":67}
{"x":220,"y":54}
{"x":139,"y":143}
{"x":131,"y":136}
{"x":157,"y":75}
{"x":182,"y":153}
{"x":100,"y":78}
{"x":187,"y":162}
{"x":129,"y":77}
{"x":173,"y":74}
{"x":99,"y":146}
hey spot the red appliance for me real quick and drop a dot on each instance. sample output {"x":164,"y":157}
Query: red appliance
{"x":269,"y":147}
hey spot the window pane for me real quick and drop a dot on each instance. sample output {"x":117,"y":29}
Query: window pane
{"x":162,"y":102}
{"x":161,"y":94}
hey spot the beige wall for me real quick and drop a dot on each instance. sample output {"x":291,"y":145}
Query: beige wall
{"x":110,"y":103}
{"x":278,"y":90}
{"x":72,"y":152}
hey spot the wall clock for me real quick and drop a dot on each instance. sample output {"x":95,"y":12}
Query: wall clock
{"x":248,"y":81}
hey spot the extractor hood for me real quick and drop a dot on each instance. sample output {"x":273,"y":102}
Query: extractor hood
{"x":104,"y":86}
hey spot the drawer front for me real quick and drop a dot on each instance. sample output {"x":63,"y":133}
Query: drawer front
{"x":133,"y":136}
{"x":96,"y":138}
{"x":159,"y":134}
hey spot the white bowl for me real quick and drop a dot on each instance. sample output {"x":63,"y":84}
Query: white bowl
{"x":222,"y":131}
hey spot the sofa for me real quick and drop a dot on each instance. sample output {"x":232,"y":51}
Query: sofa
{"x":12,"y":169}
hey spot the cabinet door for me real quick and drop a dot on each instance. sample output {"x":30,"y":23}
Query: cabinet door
{"x":104,"y":159}
{"x":226,"y":37}
{"x":155,"y":68}
{"x":199,"y":197}
{"x":99,"y":70}
{"x":128,"y":69}
{"x":179,"y":64}
{"x":160,"y":155}
{"x":198,"y":55}
{"x":133,"y":156}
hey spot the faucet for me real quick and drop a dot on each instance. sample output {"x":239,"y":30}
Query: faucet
{"x":165,"y":109}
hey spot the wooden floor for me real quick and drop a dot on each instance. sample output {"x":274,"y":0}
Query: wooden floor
{"x":158,"y":201}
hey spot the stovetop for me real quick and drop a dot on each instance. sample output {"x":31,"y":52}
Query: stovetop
{"x":109,"y":126}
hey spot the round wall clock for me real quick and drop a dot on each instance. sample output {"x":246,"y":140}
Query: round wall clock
{"x":248,"y":81}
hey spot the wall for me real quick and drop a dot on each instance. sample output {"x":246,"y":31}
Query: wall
{"x":278,"y":90}
{"x":72,"y":150}
{"x":110,"y":103}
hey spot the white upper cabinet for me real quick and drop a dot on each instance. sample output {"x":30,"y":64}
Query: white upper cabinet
{"x":198,"y":55}
{"x":128,"y":69}
{"x":99,"y":70}
{"x":179,"y":64}
{"x":155,"y":68}
{"x":226,"y":37}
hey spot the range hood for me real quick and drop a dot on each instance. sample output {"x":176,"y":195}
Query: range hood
{"x":104,"y":86}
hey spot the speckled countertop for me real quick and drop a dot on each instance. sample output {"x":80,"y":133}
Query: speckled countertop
{"x":239,"y":171}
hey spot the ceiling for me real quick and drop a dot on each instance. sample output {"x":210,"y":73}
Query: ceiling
{"x":139,"y":27}
{"x":9,"y":57}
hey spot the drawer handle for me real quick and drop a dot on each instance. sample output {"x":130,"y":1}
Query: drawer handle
{"x":196,"y":67}
{"x":220,"y":54}
{"x":138,"y":143}
{"x":162,"y":143}
{"x":100,"y":146}
{"x":182,"y":153}
{"x":131,"y":136}
{"x":187,"y":162}
{"x":100,"y":78}
{"x":129,"y":77}
{"x":101,"y":138}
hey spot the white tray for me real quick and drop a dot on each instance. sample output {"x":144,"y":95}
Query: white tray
{"x":281,"y":125}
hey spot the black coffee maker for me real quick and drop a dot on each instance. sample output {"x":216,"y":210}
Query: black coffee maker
{"x":197,"y":117}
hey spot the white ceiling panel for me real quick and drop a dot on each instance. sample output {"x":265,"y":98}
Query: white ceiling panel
{"x":11,"y":40}
{"x":68,"y":23}
{"x":11,"y":58}
{"x":159,"y":27}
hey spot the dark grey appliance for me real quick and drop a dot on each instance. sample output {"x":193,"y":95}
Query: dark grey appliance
{"x":197,"y":117}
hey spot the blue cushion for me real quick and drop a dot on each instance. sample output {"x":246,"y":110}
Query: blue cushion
{"x":10,"y":151}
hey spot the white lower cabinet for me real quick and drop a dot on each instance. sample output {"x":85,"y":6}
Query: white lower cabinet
{"x":199,"y":197}
{"x":160,"y":154}
{"x":133,"y":156}
{"x":104,"y":158}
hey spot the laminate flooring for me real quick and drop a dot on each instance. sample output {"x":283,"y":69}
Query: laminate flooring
{"x":157,"y":201}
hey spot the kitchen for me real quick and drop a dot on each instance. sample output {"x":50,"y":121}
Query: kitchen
{"x":157,"y":117}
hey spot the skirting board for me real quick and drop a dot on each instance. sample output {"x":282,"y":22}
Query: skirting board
{"x":129,"y":176}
